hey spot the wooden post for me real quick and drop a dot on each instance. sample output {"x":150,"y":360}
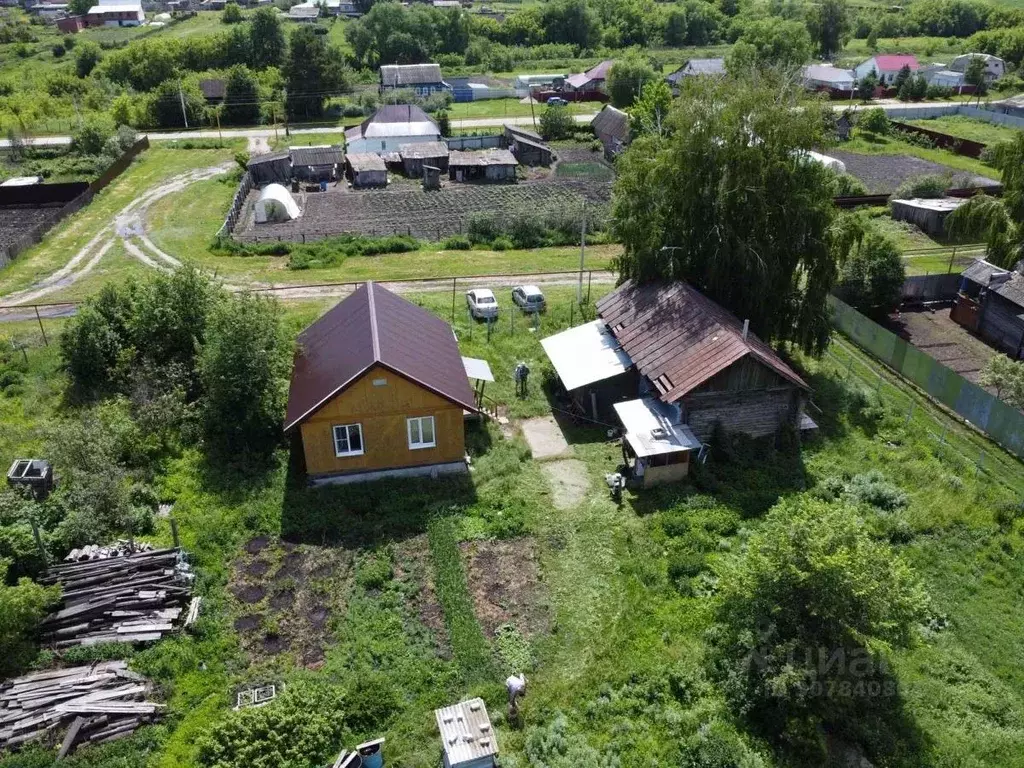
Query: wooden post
{"x":41,"y":329}
{"x":952,"y":258}
{"x":453,"y":300}
{"x":174,"y":532}
{"x":39,"y":541}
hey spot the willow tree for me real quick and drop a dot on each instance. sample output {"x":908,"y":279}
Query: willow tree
{"x":730,"y":201}
{"x":999,"y":221}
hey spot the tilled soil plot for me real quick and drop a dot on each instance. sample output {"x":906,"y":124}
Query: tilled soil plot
{"x":17,"y":222}
{"x":406,"y":209}
{"x":882,"y":174}
{"x":412,"y":566}
{"x":933,"y":332}
{"x":504,"y":579}
{"x":284,"y":598}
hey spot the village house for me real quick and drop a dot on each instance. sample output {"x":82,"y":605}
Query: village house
{"x":663,"y":354}
{"x":115,"y":13}
{"x":589,"y":84}
{"x":886,"y":67}
{"x":994,"y":66}
{"x":391,"y":127}
{"x":991,"y":304}
{"x":611,"y":127}
{"x":528,"y":147}
{"x":695,"y":68}
{"x":817,"y":77}
{"x":379,"y":389}
{"x":482,"y":165}
{"x":424,"y":79}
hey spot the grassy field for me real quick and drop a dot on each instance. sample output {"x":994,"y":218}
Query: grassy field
{"x":612,"y":633}
{"x":968,"y":128}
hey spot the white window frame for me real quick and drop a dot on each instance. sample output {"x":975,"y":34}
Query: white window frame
{"x":418,"y":421}
{"x":348,"y":430}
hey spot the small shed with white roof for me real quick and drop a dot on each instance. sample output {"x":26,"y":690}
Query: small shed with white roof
{"x":467,"y":735}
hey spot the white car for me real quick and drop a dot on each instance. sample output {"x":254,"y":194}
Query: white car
{"x":529,"y":298}
{"x":482,"y":304}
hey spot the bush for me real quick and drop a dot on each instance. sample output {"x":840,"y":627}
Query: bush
{"x":872,"y":277}
{"x":232,"y":14}
{"x":91,"y":137}
{"x":375,"y":570}
{"x":502,"y":244}
{"x":457,"y":243}
{"x":873,"y":488}
{"x":927,"y":186}
{"x":875,"y":121}
{"x":556,"y":123}
{"x":87,"y":56}
{"x":22,"y":606}
{"x":58,"y":51}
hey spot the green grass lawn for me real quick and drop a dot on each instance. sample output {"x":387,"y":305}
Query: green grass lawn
{"x":621,"y":657}
{"x":969,"y":128}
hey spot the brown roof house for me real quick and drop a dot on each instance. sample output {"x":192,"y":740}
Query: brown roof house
{"x":611,"y":126}
{"x":379,"y":389}
{"x":670,"y":363}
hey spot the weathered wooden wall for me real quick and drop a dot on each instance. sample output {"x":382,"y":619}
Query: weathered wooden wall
{"x":382,"y":411}
{"x":757,"y":412}
{"x":999,"y":324}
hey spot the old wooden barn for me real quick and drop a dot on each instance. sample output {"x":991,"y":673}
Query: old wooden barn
{"x":991,"y":304}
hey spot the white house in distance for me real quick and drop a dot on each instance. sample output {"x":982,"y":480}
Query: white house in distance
{"x":942,"y":76}
{"x":820,"y":76}
{"x":390,"y":127}
{"x":886,"y":67}
{"x":994,"y":66}
{"x":116,"y":13}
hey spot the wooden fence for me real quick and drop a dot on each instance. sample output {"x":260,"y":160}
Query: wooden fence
{"x":244,"y":188}
{"x":955,"y":144}
{"x":36,"y":233}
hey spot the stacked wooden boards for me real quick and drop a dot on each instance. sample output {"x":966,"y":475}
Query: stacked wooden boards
{"x":133,"y":598}
{"x":100,"y":702}
{"x":120,"y":548}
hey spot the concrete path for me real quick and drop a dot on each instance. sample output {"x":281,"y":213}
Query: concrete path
{"x":545,"y":438}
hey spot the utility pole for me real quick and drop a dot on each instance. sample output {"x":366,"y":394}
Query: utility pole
{"x":181,"y":98}
{"x":533,"y":116}
{"x":583,"y":255}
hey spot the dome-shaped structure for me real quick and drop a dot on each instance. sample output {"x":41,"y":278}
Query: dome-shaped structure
{"x":276,"y":204}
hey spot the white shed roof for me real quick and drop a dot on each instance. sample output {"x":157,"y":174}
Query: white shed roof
{"x":22,"y":181}
{"x":466,"y":732}
{"x":585,"y":354}
{"x":477,"y":369}
{"x":652,"y":429}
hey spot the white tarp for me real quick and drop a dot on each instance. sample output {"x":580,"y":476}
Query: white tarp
{"x":585,"y":354}
{"x":834,"y":163}
{"x":652,"y":429}
{"x":276,"y":204}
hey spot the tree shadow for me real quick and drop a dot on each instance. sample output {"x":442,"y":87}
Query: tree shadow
{"x":371,"y":513}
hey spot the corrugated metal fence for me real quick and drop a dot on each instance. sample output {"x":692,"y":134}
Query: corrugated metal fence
{"x":999,"y":421}
{"x":931,"y":287}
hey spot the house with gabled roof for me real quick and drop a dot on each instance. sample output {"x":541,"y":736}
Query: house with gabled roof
{"x":379,"y":389}
{"x":886,"y":67}
{"x":424,"y":79}
{"x":390,"y":127}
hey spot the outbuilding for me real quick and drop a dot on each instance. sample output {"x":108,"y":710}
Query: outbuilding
{"x":320,"y":163}
{"x":116,"y":13}
{"x":611,"y":126}
{"x":415,"y":156}
{"x":366,"y":170}
{"x":379,"y":389}
{"x":482,"y":165}
{"x":275,"y":203}
{"x":271,"y":168}
{"x":928,"y":215}
{"x":991,"y":303}
{"x":528,"y":147}
{"x":467,"y":735}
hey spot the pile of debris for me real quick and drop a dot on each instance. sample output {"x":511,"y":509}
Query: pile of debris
{"x":101,"y":702}
{"x":95,"y":552}
{"x":132,"y":598}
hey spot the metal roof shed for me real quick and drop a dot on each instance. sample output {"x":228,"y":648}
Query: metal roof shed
{"x":656,"y":443}
{"x":467,"y":735}
{"x":586,"y":354}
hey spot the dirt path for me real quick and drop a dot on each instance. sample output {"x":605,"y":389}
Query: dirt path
{"x":568,"y":480}
{"x":257,"y":145}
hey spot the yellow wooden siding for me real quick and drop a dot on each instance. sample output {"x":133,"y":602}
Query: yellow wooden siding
{"x":382,"y":411}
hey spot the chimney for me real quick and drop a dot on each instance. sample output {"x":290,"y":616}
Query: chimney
{"x":746,"y":328}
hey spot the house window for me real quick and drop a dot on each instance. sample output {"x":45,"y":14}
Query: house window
{"x":421,"y":432}
{"x":348,"y":440}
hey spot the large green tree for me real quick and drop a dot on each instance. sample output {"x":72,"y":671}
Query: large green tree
{"x":267,"y":39}
{"x":770,"y":42}
{"x":627,"y":78}
{"x":313,"y":71}
{"x":804,"y":618}
{"x":872,"y":277}
{"x":730,"y":202}
{"x":242,"y":97}
{"x":828,"y":22}
{"x":999,"y":221}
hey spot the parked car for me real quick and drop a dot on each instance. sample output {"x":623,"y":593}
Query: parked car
{"x":557,"y":101}
{"x":482,"y":304}
{"x":529,"y":298}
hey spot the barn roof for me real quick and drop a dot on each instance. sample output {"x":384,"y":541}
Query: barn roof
{"x":269,"y":157}
{"x":421,"y":150}
{"x":316,"y":156}
{"x":1006,"y":283}
{"x":611,"y":122}
{"x":365,"y":161}
{"x":399,"y":75}
{"x":482,"y":157}
{"x":373,"y":326}
{"x":678,"y":338}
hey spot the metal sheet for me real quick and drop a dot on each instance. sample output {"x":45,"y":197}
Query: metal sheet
{"x":652,"y":429}
{"x":466,"y":732}
{"x":477,"y":369}
{"x":585,"y":354}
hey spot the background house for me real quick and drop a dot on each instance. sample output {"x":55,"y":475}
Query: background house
{"x":482,"y":165}
{"x":819,"y":77}
{"x":994,"y":66}
{"x":424,"y":79}
{"x":991,"y":303}
{"x":589,"y":84}
{"x":611,"y":126}
{"x":528,"y":147}
{"x":695,"y":68}
{"x":391,"y":127}
{"x":116,"y":13}
{"x":379,"y":389}
{"x":886,"y":67}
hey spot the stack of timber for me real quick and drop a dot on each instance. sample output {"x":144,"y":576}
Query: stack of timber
{"x":133,"y":598}
{"x":96,"y":552}
{"x":100,"y":702}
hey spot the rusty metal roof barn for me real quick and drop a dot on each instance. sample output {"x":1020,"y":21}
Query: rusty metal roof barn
{"x":373,"y":326}
{"x":401,"y":75}
{"x":482,"y":157}
{"x":317,"y":156}
{"x":679,"y":338}
{"x":524,"y":133}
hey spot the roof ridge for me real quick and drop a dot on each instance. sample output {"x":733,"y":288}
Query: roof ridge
{"x":374,"y":334}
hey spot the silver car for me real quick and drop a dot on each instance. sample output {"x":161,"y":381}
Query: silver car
{"x":482,"y":304}
{"x":529,"y":298}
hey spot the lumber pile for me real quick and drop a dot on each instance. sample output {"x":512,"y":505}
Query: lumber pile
{"x":133,"y":598}
{"x":95,"y":552}
{"x":99,"y":702}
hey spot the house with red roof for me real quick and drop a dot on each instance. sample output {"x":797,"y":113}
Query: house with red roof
{"x":886,"y":67}
{"x":587,"y":83}
{"x":379,"y":389}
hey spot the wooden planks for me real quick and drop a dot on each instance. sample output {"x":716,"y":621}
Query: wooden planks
{"x":135,"y":597}
{"x":101,"y":702}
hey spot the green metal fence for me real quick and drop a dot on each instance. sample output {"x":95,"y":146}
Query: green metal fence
{"x":1002,"y":423}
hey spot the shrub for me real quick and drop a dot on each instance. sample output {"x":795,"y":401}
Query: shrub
{"x":482,"y":228}
{"x":931,"y":185}
{"x":556,"y":123}
{"x":375,"y":570}
{"x":232,"y":14}
{"x":87,"y":56}
{"x":872,"y":277}
{"x":91,"y":137}
{"x":875,"y":121}
{"x":457,"y":243}
{"x":58,"y":51}
{"x":21,"y":608}
{"x":684,"y":563}
{"x":512,"y":650}
{"x":502,"y":244}
{"x":873,"y":488}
